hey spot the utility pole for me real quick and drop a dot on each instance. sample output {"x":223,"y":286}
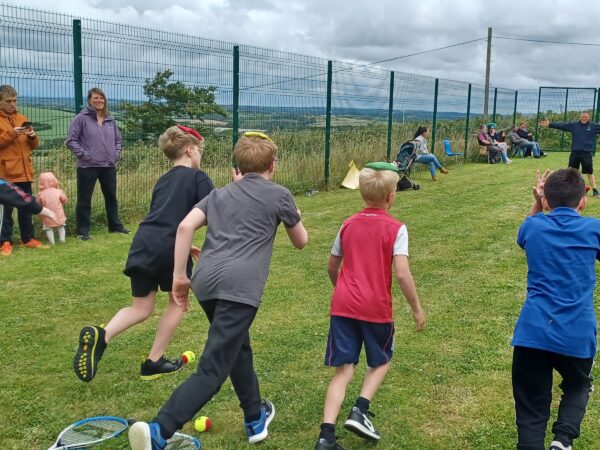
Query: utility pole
{"x":487,"y":72}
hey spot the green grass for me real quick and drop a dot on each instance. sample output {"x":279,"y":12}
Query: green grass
{"x":448,"y":387}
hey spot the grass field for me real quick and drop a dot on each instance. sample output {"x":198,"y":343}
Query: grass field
{"x":448,"y":388}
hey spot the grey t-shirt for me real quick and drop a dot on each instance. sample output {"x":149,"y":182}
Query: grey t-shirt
{"x":242,"y":220}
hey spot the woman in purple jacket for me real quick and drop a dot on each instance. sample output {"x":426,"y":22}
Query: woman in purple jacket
{"x":96,"y":142}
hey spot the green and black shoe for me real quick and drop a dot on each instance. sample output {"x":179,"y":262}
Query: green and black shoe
{"x":89,"y":353}
{"x":151,"y":370}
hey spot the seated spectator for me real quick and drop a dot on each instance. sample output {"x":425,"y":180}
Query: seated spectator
{"x":494,"y":152}
{"x":498,"y":139}
{"x":423,"y":155}
{"x":524,"y":133}
{"x":520,"y":143}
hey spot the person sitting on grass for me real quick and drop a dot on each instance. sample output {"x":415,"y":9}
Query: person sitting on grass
{"x":423,"y":155}
{"x":361,"y":306}
{"x":556,"y":329}
{"x":242,"y":220}
{"x":150,"y":261}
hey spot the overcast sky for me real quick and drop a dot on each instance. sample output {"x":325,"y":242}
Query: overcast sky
{"x":365,"y":31}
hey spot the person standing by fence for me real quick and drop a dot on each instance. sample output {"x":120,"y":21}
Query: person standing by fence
{"x":96,"y":142}
{"x":18,"y":139}
{"x":583,"y":135}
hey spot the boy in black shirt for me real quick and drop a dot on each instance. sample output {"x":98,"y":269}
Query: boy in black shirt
{"x":150,"y":260}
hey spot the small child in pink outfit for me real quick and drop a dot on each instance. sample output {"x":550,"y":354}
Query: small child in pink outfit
{"x":53,"y":198}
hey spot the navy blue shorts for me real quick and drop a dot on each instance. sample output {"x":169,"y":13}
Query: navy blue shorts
{"x":347,"y":336}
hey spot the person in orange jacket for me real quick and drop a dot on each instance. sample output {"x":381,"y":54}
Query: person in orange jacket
{"x":17,"y":141}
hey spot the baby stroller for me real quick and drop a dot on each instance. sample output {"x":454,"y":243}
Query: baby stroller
{"x":405,"y":160}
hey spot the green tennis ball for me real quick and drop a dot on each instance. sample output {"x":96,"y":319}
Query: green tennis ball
{"x":188,"y":357}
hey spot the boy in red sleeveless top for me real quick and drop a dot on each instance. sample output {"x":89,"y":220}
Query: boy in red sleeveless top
{"x":361,"y":306}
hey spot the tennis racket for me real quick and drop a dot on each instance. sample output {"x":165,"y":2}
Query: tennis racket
{"x":181,"y":441}
{"x":90,"y":431}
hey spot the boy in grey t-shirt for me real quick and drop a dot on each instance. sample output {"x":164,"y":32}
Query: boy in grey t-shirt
{"x":229,"y":283}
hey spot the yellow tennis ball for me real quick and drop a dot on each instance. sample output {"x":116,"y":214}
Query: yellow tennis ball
{"x":188,"y":357}
{"x":202,"y":424}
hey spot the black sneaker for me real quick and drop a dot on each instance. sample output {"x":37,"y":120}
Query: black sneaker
{"x":359,"y":423}
{"x":595,"y":193}
{"x":150,"y":370}
{"x":122,"y":230}
{"x":83,"y":237}
{"x":323,"y":444}
{"x":89,"y":353}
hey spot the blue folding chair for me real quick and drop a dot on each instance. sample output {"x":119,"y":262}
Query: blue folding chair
{"x":449,"y":153}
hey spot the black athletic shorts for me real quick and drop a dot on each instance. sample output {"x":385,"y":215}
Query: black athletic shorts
{"x":583,"y":158}
{"x":141,"y":286}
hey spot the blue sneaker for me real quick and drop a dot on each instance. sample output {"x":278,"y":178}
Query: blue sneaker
{"x":146,"y":436}
{"x":257,"y":430}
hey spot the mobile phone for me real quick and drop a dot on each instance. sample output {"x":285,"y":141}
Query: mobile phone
{"x":26,"y":124}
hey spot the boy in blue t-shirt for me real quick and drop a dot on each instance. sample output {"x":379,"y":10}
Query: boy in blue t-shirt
{"x":557,"y":325}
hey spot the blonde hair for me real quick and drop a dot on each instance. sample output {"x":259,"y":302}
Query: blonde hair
{"x":7,"y":91}
{"x":174,"y":141}
{"x":101,"y":93}
{"x":254,"y":154}
{"x":376,"y":185}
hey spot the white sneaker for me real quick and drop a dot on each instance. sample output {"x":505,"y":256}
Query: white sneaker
{"x":556,"y":445}
{"x":509,"y":161}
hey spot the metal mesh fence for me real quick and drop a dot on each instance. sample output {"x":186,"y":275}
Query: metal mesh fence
{"x":321,"y":118}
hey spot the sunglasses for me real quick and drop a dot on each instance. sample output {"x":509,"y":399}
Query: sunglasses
{"x":258,"y":134}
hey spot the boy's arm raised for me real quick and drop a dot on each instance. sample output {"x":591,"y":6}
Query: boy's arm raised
{"x":183,"y":242}
{"x":407,"y":285}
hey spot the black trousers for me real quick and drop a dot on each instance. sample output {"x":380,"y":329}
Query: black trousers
{"x":86,"y":181}
{"x":24,"y":218}
{"x":532,"y":391}
{"x":227,"y":352}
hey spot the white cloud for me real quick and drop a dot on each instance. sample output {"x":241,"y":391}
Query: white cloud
{"x":365,"y":31}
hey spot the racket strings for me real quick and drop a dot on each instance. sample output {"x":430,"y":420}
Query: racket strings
{"x":92,"y":431}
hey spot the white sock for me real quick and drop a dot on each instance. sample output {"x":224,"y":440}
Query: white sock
{"x":50,"y":235}
{"x":61,"y":234}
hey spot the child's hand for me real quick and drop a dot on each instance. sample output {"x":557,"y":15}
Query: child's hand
{"x":195,"y":253}
{"x":181,"y":290}
{"x":45,"y":212}
{"x":538,"y":189}
{"x":236,"y":175}
{"x":419,"y":317}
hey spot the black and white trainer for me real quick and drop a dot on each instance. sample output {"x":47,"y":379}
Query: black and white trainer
{"x":360,"y":423}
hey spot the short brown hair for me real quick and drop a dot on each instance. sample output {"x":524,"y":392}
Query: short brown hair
{"x":7,"y":91}
{"x":376,"y":185}
{"x":254,"y":154}
{"x":564,"y":187}
{"x":174,"y":141}
{"x":100,"y":92}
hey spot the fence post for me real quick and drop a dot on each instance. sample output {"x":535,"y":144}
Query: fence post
{"x":495,"y":98}
{"x":515,"y":110}
{"x":467,"y":124}
{"x":328,"y":121}
{"x":236,"y":95}
{"x":537,"y":120}
{"x":390,"y":116}
{"x":594,"y":109}
{"x":77,"y":66}
{"x":435,"y":102}
{"x":562,"y":136}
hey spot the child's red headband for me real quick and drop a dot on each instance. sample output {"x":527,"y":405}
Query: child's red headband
{"x":191,"y":131}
